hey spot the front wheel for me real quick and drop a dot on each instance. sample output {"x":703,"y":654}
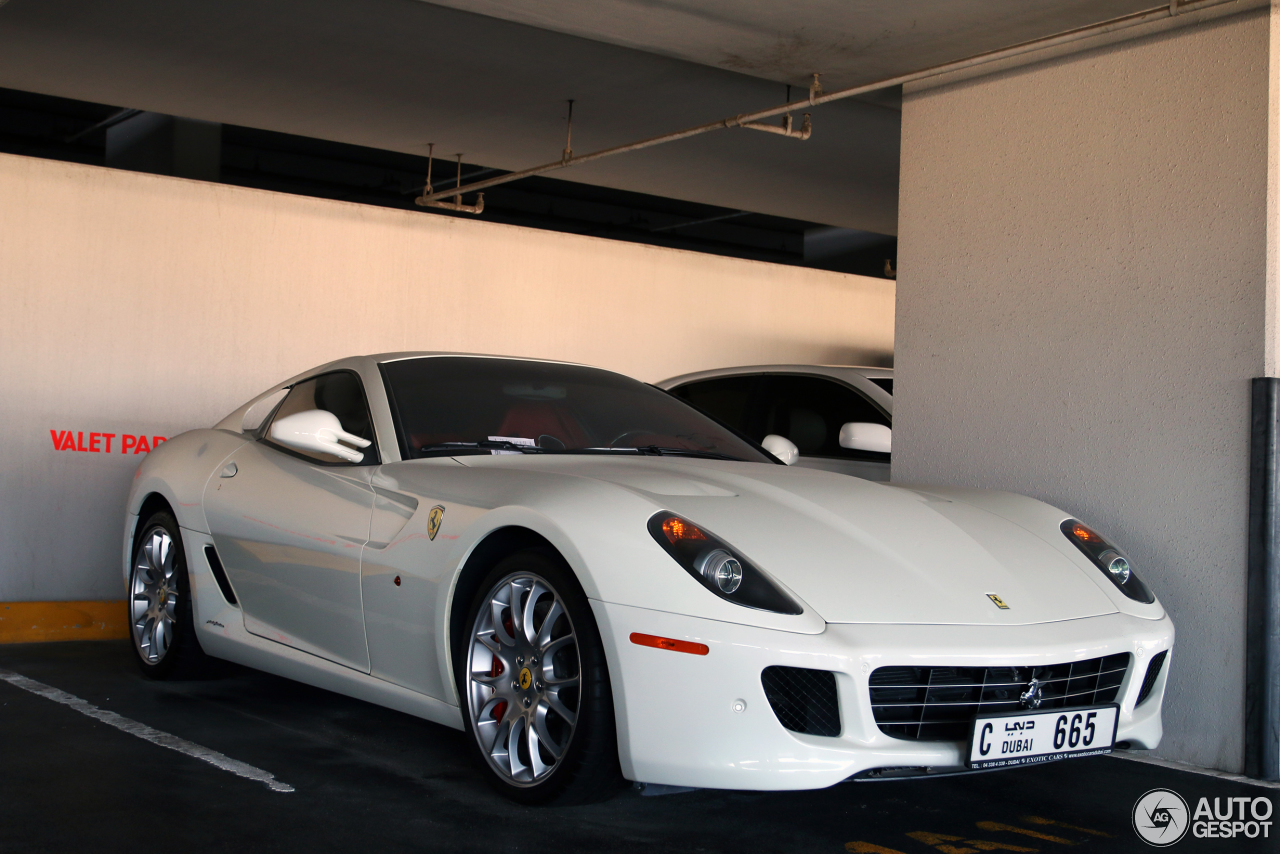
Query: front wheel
{"x":535,"y":685}
{"x":160,"y":616}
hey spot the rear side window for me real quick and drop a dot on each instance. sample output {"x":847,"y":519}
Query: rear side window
{"x":341,"y":393}
{"x":727,"y":399}
{"x":810,"y":412}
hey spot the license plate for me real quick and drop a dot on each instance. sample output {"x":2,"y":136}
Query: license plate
{"x":1027,"y":738}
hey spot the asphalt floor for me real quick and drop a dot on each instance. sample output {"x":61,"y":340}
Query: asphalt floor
{"x":369,"y":779}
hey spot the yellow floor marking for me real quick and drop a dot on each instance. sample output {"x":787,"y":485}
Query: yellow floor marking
{"x":868,"y":848}
{"x":940,"y":841}
{"x":1035,"y":834}
{"x":1035,"y":819}
{"x":27,"y":622}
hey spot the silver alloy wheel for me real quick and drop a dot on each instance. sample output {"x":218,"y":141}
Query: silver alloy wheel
{"x":153,"y":606}
{"x":523,"y":679}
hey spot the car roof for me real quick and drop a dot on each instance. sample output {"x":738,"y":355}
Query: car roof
{"x":380,"y":358}
{"x":843,"y":372}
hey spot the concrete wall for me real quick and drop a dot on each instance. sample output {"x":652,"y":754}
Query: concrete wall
{"x":145,"y":305}
{"x":1081,"y":306}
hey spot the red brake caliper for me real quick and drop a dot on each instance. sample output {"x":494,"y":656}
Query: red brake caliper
{"x":496,"y":668}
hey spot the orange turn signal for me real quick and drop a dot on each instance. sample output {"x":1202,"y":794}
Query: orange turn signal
{"x":670,"y":643}
{"x":1080,"y":532}
{"x":677,"y":529}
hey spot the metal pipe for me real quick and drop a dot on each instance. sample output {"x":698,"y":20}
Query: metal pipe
{"x":456,"y":204}
{"x":816,"y":97}
{"x":806,"y":127}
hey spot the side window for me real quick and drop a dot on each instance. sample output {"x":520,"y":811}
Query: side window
{"x":810,"y":412}
{"x":340,"y":393}
{"x":727,"y":399}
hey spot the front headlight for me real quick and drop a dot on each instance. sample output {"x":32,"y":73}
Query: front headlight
{"x":717,"y":567}
{"x":1109,"y":559}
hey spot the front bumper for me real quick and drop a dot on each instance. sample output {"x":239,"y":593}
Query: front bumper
{"x":678,"y":717}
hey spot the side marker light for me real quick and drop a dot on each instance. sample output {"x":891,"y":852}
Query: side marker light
{"x":670,"y":643}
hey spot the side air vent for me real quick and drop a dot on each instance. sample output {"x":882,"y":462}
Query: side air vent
{"x":803,"y":700}
{"x":1153,"y":673}
{"x":219,"y":574}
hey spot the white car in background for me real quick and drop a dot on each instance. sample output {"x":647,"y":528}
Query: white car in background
{"x":832,"y":417}
{"x":598,"y":582}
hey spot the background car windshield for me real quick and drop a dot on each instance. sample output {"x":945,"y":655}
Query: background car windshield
{"x":438,"y":400}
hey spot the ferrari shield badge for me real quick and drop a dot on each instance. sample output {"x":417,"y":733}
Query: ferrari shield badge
{"x":993,"y":597}
{"x":434,"y":518}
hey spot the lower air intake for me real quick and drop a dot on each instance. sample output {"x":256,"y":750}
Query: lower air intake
{"x":804,"y":700}
{"x":940,"y":703}
{"x":1153,"y":673}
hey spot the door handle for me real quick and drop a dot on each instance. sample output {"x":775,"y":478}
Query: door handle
{"x":229,"y":470}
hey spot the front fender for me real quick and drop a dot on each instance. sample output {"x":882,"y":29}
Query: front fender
{"x":178,"y":471}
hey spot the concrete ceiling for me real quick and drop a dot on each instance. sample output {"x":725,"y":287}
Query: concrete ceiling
{"x":489,"y":78}
{"x":850,"y":42}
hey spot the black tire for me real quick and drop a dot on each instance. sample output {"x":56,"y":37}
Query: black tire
{"x":587,"y":770}
{"x":182,"y":657}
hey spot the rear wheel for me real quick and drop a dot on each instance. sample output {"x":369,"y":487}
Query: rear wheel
{"x":535,"y":685}
{"x":160,"y":616}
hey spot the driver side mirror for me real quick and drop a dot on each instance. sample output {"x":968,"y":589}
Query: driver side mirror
{"x":316,"y":430}
{"x":781,"y":447}
{"x":864,"y":436}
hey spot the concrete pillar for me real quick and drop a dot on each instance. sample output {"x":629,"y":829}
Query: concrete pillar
{"x":1083,"y":300}
{"x":166,"y":145}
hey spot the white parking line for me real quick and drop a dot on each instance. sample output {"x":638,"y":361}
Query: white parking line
{"x":145,"y":732}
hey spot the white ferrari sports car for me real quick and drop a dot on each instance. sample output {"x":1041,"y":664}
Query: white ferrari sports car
{"x":597,"y":581}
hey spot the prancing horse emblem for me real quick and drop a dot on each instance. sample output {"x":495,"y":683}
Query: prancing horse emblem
{"x":434,"y":518}
{"x":1033,"y":696}
{"x":999,"y":603}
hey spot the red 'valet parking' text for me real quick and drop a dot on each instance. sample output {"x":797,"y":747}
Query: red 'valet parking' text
{"x":101,"y":443}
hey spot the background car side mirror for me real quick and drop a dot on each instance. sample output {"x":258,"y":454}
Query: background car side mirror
{"x":781,"y":447}
{"x":864,"y":436}
{"x":317,"y":430}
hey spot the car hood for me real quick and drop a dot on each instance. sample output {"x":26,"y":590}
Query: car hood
{"x":862,"y":552}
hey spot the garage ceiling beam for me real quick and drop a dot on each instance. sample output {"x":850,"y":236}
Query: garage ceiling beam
{"x":817,"y":97}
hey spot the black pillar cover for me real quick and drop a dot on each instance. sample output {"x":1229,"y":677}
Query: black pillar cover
{"x":1262,"y":645}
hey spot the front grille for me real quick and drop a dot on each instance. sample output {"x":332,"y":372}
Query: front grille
{"x":1153,"y":673}
{"x":804,"y":700}
{"x":940,"y":703}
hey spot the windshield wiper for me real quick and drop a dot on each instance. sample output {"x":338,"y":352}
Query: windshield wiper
{"x":487,"y":445}
{"x":658,"y":451}
{"x":497,"y":445}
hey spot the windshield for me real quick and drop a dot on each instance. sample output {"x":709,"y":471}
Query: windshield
{"x":447,"y":405}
